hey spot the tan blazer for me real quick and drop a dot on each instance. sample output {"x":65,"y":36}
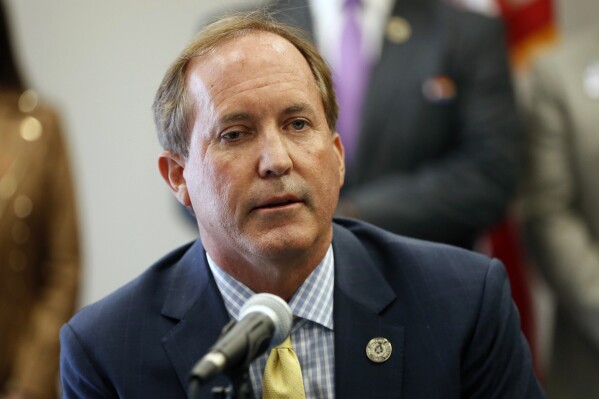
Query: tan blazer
{"x":562,"y":207}
{"x":39,"y":248}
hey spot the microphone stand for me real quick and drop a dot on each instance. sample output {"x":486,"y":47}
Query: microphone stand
{"x":238,"y":388}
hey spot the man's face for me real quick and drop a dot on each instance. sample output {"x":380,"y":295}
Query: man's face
{"x":264,"y":171}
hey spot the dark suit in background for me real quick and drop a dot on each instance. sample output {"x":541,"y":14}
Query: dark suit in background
{"x":454,"y":329}
{"x":438,"y":166}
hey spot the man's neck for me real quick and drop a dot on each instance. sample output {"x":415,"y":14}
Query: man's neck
{"x":280,"y":276}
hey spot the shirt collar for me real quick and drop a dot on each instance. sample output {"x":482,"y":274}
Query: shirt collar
{"x":312,"y":301}
{"x":327,"y":17}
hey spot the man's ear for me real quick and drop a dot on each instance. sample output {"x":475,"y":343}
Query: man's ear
{"x":171,"y":168}
{"x":340,"y":150}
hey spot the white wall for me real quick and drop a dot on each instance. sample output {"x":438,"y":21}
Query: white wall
{"x":100,"y":62}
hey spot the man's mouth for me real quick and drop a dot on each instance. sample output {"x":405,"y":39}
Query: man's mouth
{"x":278,"y":202}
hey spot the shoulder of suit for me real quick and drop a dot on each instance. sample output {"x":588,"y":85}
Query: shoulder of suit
{"x":371,"y":236}
{"x":151,"y":283}
{"x":406,"y":262}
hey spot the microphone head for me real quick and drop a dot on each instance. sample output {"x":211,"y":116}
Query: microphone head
{"x":276,"y":309}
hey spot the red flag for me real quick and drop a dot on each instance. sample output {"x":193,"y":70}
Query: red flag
{"x":531,"y":28}
{"x":531,"y":25}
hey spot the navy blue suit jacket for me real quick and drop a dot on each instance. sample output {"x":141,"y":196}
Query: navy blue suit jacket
{"x":447,"y":312}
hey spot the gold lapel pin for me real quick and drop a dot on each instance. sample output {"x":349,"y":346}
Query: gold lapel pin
{"x":398,"y":30}
{"x":379,"y":350}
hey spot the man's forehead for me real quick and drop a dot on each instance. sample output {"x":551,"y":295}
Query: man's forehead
{"x":264,"y":50}
{"x":246,"y":62}
{"x":259,"y":62}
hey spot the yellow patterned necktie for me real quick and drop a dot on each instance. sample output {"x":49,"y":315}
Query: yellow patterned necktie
{"x":283,"y":374}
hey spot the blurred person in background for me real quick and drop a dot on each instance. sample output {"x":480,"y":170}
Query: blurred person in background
{"x":428,"y":116}
{"x":39,"y":248}
{"x":562,"y":206}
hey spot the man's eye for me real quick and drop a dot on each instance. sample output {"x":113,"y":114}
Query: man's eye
{"x":231,"y":136}
{"x":299,"y":124}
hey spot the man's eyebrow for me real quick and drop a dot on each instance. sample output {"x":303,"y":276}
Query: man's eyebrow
{"x":290,"y":110}
{"x":299,"y":108}
{"x":234,"y":117}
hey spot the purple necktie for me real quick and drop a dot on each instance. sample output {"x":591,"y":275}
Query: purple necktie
{"x":351,"y":77}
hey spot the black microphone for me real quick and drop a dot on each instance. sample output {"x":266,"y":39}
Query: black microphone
{"x":264,"y":322}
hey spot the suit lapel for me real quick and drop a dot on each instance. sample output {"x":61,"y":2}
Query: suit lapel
{"x":361,"y":297}
{"x":195,"y":301}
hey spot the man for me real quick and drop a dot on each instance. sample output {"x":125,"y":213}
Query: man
{"x":562,"y":206}
{"x":437,"y":133}
{"x":245,"y":116}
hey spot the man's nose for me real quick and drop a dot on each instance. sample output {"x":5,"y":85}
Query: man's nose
{"x":275,"y":159}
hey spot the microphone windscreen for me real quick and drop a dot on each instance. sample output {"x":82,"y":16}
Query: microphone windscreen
{"x":276,"y":309}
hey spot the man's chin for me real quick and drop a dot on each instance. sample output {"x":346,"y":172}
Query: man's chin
{"x":280,"y":242}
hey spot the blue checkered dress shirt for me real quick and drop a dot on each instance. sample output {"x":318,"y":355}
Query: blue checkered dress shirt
{"x":312,"y":331}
